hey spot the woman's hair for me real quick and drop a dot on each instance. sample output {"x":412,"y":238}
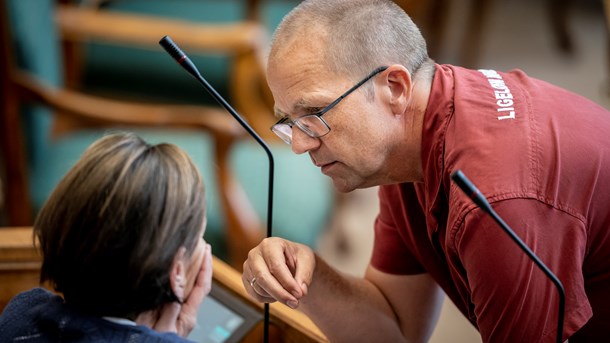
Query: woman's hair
{"x":110,"y":230}
{"x":360,"y":35}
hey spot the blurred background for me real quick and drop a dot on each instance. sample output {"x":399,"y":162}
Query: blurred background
{"x":72,"y":70}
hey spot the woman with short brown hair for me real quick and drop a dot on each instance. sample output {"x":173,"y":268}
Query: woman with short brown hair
{"x":122,"y":241}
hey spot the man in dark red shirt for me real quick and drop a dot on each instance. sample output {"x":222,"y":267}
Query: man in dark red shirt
{"x":540,"y":154}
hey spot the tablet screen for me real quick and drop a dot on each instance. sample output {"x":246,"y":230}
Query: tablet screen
{"x":224,"y":317}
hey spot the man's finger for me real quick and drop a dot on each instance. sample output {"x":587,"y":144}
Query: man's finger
{"x":279,"y":281}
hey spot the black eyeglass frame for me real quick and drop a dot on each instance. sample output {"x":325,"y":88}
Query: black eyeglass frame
{"x":319,"y":114}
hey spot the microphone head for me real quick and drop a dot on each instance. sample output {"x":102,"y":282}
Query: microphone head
{"x":471,"y":190}
{"x":177,"y":54}
{"x":462,"y":181}
{"x":172,"y":49}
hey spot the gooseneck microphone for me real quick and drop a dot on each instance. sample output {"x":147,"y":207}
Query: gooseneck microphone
{"x":183,"y":60}
{"x":475,"y":195}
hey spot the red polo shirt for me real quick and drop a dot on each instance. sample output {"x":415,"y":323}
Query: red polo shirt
{"x":541,"y":156}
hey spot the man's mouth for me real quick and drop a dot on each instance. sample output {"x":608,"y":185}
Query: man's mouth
{"x":325,"y":168}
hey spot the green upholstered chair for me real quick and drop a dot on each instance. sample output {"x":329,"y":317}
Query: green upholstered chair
{"x":130,"y":70}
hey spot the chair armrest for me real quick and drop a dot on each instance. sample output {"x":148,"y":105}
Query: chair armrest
{"x":99,"y":110}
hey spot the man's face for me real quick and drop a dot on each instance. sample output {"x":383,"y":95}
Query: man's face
{"x":353,"y":153}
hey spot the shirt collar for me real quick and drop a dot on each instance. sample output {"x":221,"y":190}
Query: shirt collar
{"x":436,"y":119}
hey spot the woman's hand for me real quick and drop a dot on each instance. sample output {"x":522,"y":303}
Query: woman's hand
{"x":182,"y":318}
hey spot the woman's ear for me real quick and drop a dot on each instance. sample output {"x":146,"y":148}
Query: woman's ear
{"x":177,"y":276}
{"x":400,"y":88}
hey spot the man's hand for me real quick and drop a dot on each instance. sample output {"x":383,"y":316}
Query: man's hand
{"x":278,"y":270}
{"x":182,"y":318}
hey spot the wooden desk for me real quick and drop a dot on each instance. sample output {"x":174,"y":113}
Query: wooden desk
{"x":19,"y":263}
{"x":20,"y":267}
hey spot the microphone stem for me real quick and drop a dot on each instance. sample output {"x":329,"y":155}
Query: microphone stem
{"x":264,"y":145}
{"x":180,"y":57}
{"x":258,"y":139}
{"x":540,"y":264}
{"x":475,"y":195}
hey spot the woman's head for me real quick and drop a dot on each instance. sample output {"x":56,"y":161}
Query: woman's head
{"x":112,"y":228}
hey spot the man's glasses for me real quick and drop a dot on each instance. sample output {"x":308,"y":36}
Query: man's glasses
{"x":313,"y":124}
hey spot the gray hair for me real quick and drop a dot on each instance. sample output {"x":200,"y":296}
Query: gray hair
{"x":361,"y":35}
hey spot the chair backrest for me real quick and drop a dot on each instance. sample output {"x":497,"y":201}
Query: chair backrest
{"x":36,"y":33}
{"x":11,"y":134}
{"x":134,"y":69}
{"x":304,"y":197}
{"x":30,"y":42}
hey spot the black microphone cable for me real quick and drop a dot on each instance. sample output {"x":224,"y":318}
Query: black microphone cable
{"x":475,"y":195}
{"x":183,"y":60}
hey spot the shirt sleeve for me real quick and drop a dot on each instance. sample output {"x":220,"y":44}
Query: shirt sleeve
{"x":391,"y":252}
{"x":511,"y":298}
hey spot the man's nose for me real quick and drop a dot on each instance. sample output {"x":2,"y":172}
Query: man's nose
{"x":302,"y":142}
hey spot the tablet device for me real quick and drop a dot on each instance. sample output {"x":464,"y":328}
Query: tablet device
{"x":224,"y":317}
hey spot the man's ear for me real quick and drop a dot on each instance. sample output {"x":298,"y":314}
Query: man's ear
{"x":400,"y":87}
{"x":177,"y":276}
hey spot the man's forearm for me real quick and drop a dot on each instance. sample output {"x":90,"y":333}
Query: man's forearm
{"x":349,"y":309}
